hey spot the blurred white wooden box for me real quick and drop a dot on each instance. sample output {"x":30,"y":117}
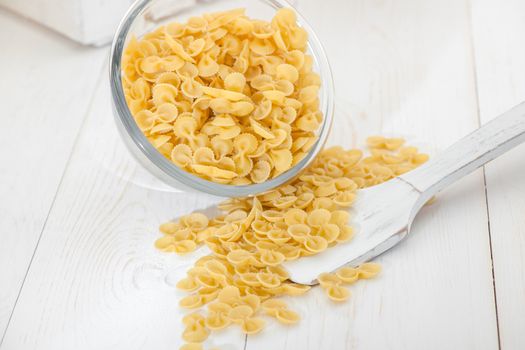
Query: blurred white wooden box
{"x":90,"y":22}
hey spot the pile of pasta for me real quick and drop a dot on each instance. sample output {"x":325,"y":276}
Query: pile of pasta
{"x":242,"y":276}
{"x":225,"y":97}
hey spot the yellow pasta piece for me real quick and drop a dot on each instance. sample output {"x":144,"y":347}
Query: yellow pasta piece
{"x":193,"y":318}
{"x":252,"y":325}
{"x":216,"y":321}
{"x":145,"y":119}
{"x":229,"y":295}
{"x":294,"y":289}
{"x":295,"y":216}
{"x":299,"y":232}
{"x":260,"y":172}
{"x":271,"y":258}
{"x":224,"y":93}
{"x":315,"y":244}
{"x":208,"y":294}
{"x":272,"y":305}
{"x":330,"y":232}
{"x":346,"y":233}
{"x":268,"y":279}
{"x":188,"y":284}
{"x":279,"y":237}
{"x":240,"y":313}
{"x":338,"y":293}
{"x":339,"y":217}
{"x":191,"y":301}
{"x":327,"y":280}
{"x":290,"y":252}
{"x":235,"y":81}
{"x":287,"y":316}
{"x":369,"y":270}
{"x":252,"y":301}
{"x":195,"y":333}
{"x":239,"y":256}
{"x":284,"y":202}
{"x":348,"y":274}
{"x":318,"y":217}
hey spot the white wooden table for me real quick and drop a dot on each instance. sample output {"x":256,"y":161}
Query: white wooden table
{"x":78,"y":217}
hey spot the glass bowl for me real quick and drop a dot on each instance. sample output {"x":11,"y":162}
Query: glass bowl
{"x":146,"y":15}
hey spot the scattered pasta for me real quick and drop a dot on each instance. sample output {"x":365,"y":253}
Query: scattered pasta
{"x":227,"y":98}
{"x":253,"y":236}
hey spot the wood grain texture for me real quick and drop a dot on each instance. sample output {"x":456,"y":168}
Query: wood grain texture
{"x":96,"y":281}
{"x":499,"y":28}
{"x":46,"y":86}
{"x":402,"y":67}
{"x":405,"y":67}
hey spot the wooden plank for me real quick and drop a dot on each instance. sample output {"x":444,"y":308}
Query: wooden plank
{"x":96,"y":281}
{"x":405,"y":67}
{"x":498,"y":29}
{"x":46,"y":85}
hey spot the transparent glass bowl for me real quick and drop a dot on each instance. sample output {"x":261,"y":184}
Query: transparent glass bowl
{"x":146,"y":15}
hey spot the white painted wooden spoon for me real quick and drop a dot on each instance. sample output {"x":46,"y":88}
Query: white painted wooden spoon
{"x":385,"y":212}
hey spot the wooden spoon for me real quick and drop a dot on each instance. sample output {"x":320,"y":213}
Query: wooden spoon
{"x":385,"y":212}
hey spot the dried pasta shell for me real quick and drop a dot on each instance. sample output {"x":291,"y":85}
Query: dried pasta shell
{"x":169,"y":228}
{"x":208,"y":294}
{"x":240,"y":313}
{"x":216,"y":321}
{"x":191,"y":301}
{"x":239,"y":256}
{"x":279,"y":236}
{"x":229,"y":295}
{"x":346,"y":234}
{"x":315,"y":244}
{"x":272,"y":258}
{"x":318,"y":217}
{"x":294,"y":289}
{"x":393,"y":143}
{"x":252,"y":301}
{"x":339,"y":217}
{"x":260,"y":172}
{"x":327,"y":279}
{"x":369,"y":270}
{"x":260,"y":130}
{"x":145,"y":119}
{"x":195,"y":333}
{"x":268,"y":279}
{"x":295,"y":216}
{"x":252,"y":325}
{"x":299,"y":232}
{"x":193,"y":318}
{"x":348,"y":274}
{"x":330,"y":232}
{"x":287,"y":316}
{"x":187,"y":284}
{"x":290,"y":252}
{"x":284,"y":202}
{"x":303,"y":200}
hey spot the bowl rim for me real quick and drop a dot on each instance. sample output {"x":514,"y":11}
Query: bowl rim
{"x":181,"y":176}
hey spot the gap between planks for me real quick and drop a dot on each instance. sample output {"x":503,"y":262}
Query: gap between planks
{"x":478,"y":113}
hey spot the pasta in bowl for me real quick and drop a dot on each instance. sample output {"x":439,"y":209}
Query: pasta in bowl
{"x":218,"y":99}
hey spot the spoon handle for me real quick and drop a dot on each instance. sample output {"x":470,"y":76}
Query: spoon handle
{"x":483,"y":145}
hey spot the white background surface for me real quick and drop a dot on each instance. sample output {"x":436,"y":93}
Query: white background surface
{"x":78,"y":217}
{"x":86,"y":21}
